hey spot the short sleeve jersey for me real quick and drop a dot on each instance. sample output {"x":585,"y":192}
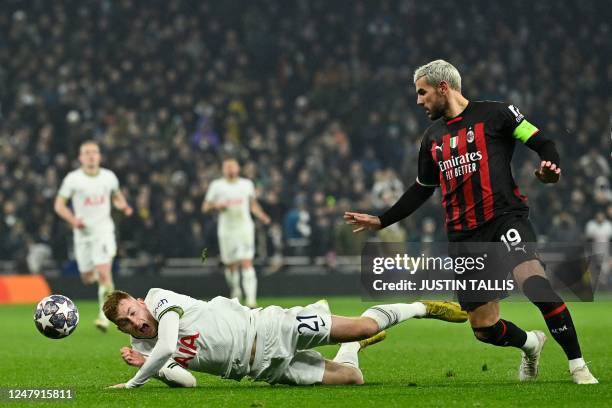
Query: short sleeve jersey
{"x":91,"y":200}
{"x":237,"y":197}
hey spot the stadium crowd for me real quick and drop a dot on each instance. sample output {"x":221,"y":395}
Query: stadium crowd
{"x":314,"y":97}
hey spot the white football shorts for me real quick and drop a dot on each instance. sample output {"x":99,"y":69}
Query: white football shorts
{"x":283,"y":339}
{"x":237,"y":245}
{"x":98,"y":250}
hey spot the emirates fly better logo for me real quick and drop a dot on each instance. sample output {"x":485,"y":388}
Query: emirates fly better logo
{"x":457,"y":159}
{"x":460,"y":165}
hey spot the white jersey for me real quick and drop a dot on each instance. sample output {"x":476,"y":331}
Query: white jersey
{"x":91,"y":200}
{"x":237,"y":196}
{"x":215,"y":337}
{"x":599,"y":232}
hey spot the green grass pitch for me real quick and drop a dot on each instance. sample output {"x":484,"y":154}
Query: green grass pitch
{"x":422,"y":363}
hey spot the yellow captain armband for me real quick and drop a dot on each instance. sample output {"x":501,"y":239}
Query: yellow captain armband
{"x":524,"y":131}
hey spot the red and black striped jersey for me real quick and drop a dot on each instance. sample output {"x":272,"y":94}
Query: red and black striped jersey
{"x":469,"y":157}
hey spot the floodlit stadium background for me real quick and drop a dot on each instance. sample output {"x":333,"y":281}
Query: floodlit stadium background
{"x":314,"y":97}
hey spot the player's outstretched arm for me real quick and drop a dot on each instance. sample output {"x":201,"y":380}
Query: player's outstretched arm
{"x":172,"y":374}
{"x":412,"y":199}
{"x":167,"y":336}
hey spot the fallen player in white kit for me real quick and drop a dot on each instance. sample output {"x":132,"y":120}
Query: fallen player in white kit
{"x":222,"y":337}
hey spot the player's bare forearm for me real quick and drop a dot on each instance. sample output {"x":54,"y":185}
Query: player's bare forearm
{"x":205,"y":207}
{"x":65,"y":213}
{"x":259,"y":212}
{"x":121,"y":203}
{"x":209,"y":206}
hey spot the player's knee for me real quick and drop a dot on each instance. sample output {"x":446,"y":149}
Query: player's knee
{"x":490,"y":334}
{"x":189,"y":382}
{"x":483,"y":321}
{"x":177,"y":377}
{"x":353,"y":376}
{"x":367,"y":328}
{"x":103,"y":272}
{"x":88,"y":277}
{"x":182,"y":383}
{"x":483,"y":318}
{"x":341,"y":374}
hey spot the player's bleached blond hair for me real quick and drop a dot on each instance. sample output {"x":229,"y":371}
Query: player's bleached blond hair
{"x":112,"y":303}
{"x":438,"y":71}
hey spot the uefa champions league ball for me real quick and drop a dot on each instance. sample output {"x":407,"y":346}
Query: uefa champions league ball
{"x":56,"y":316}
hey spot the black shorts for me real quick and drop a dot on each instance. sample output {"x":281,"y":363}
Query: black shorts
{"x":515,"y":242}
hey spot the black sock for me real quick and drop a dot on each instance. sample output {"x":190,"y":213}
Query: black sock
{"x":503,"y":334}
{"x":561,"y":327}
{"x":556,"y":314}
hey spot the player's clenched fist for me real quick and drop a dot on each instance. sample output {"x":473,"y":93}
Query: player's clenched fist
{"x":77,"y":223}
{"x":132,"y":357}
{"x":548,"y":172}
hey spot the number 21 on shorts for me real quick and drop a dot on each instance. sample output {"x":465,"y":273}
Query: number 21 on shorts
{"x":309,"y":322}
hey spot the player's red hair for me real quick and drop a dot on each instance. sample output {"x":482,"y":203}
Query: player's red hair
{"x":112,"y":302}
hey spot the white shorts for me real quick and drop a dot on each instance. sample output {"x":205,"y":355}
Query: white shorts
{"x":95,"y":251}
{"x":283,"y":339}
{"x":235,"y":247}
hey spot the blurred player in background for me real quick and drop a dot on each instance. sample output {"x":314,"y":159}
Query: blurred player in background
{"x":467,"y":152}
{"x":91,"y":190}
{"x":222,"y":337}
{"x":234,"y":198}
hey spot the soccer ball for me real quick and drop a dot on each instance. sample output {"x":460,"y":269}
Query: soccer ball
{"x":56,"y":316}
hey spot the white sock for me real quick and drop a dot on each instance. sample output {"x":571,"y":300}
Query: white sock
{"x":103,"y":292}
{"x":390,"y":315}
{"x":576,"y":363}
{"x":347,"y":354}
{"x":249,"y":281}
{"x":233,"y":281}
{"x":420,"y":310}
{"x":531,"y":343}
